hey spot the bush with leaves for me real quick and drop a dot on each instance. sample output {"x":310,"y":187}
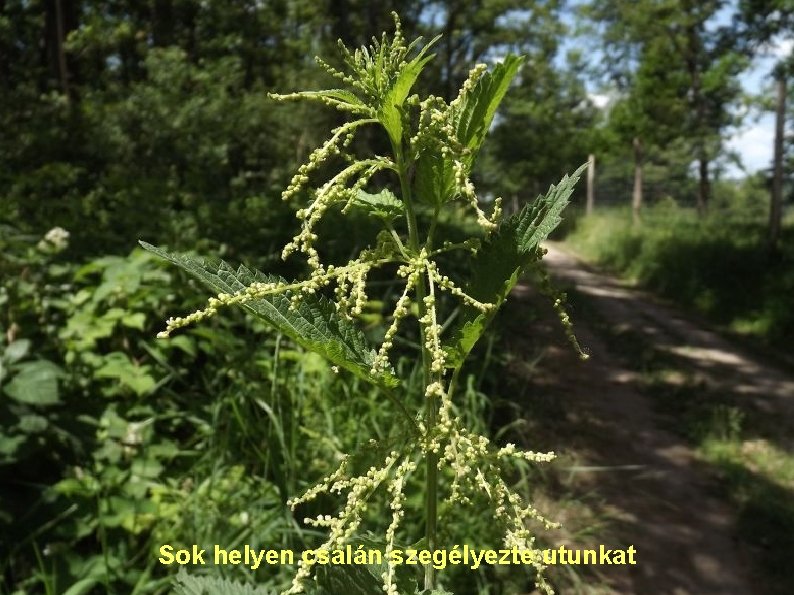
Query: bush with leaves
{"x":434,"y":145}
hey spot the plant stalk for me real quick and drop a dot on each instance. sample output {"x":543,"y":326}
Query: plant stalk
{"x":431,"y":460}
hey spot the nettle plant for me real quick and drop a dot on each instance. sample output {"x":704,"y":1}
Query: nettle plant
{"x":433,"y":148}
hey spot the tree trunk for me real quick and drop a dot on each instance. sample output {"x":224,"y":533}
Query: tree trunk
{"x":5,"y":51}
{"x":590,"y":184}
{"x":698,"y":102}
{"x":636,"y":197}
{"x":776,"y":206}
{"x":704,"y":186}
{"x":60,"y":31}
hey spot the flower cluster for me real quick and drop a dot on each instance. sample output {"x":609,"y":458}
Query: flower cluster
{"x":341,"y":527}
{"x":396,"y":500}
{"x":380,"y":78}
{"x":350,"y":279}
{"x":476,"y":469}
{"x":423,"y":269}
{"x":334,"y":191}
{"x":54,"y":241}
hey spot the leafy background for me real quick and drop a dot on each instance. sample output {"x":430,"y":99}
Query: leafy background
{"x":123,"y":121}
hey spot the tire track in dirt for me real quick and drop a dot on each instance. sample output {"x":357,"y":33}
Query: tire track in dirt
{"x":659,"y":496}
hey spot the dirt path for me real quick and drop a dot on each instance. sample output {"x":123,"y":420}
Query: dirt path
{"x":647,"y":478}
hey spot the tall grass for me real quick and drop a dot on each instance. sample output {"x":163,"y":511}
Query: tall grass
{"x":718,"y":266}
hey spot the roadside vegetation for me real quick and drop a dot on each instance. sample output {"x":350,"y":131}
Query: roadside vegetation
{"x":744,"y":447}
{"x":155,"y":121}
{"x":719,"y":267}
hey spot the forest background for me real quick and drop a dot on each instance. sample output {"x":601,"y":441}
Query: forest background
{"x":150,"y":120}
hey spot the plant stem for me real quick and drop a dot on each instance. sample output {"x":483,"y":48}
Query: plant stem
{"x":431,"y":460}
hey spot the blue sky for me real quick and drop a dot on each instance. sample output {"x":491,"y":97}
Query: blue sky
{"x":753,"y":141}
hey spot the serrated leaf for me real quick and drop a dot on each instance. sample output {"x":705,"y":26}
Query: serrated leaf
{"x":435,"y":177}
{"x":540,"y":218}
{"x":390,"y":113}
{"x":481,"y":102}
{"x":36,"y":383}
{"x":364,"y":579}
{"x":383,"y":205}
{"x":503,"y":258}
{"x":339,"y":97}
{"x":185,"y":584}
{"x":313,"y":324}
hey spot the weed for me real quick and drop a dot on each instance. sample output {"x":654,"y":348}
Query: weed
{"x":433,"y":148}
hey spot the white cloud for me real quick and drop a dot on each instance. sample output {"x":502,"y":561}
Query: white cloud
{"x":782,"y":48}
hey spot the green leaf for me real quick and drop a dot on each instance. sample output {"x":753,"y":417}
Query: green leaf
{"x":185,"y":584}
{"x":313,"y":324}
{"x":32,"y":424}
{"x":136,"y":377}
{"x":16,"y":350}
{"x":435,"y":178}
{"x":185,"y":343}
{"x":9,"y":445}
{"x":383,"y":205}
{"x":537,"y":220}
{"x":135,"y":320}
{"x":390,"y":113}
{"x":36,"y":383}
{"x":481,"y":102}
{"x":364,"y":579}
{"x":503,"y":258}
{"x":83,"y":586}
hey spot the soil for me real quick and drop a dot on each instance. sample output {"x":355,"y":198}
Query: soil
{"x":635,"y":468}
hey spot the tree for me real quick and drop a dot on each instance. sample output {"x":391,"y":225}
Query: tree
{"x":482,"y":30}
{"x":545,"y":129}
{"x":760,"y":22}
{"x":776,"y":204}
{"x":677,"y":76}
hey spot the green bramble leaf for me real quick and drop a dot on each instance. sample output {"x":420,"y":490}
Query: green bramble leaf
{"x":314,"y":323}
{"x":118,"y":366}
{"x":503,"y":258}
{"x":383,"y":205}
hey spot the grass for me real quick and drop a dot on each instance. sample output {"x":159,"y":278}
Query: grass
{"x":718,"y":267}
{"x":746,"y":448}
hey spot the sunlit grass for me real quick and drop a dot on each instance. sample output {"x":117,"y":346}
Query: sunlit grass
{"x":719,"y":267}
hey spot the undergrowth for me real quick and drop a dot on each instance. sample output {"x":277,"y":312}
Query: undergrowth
{"x":718,"y":266}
